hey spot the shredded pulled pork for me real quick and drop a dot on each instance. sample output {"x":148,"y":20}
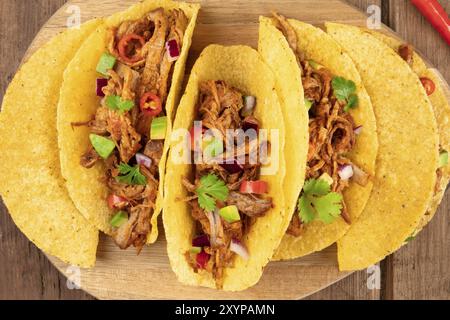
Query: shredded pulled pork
{"x":130,"y":79}
{"x":331,"y":129}
{"x":219,"y":108}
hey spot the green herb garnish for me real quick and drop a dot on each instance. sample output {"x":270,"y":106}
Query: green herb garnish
{"x":318,"y":202}
{"x":345,"y":90}
{"x":116,"y":103}
{"x":131,"y":175}
{"x":211,"y":189}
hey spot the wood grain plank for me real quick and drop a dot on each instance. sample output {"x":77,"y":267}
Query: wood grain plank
{"x":420,"y":269}
{"x":25,"y":271}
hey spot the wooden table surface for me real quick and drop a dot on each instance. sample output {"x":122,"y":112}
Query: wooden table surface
{"x":419,"y":270}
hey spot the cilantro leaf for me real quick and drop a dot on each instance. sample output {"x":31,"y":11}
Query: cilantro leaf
{"x":317,"y":187}
{"x":211,"y":189}
{"x":328,"y":207}
{"x":318,"y":202}
{"x":131,"y":175}
{"x":116,"y":103}
{"x":305,"y":209}
{"x":345,"y":90}
{"x":410,"y":238}
{"x":352,"y":102}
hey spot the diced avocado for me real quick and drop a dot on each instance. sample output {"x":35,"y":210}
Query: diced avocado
{"x":308,"y":104}
{"x":119,"y":219}
{"x":195,"y":250}
{"x":158,"y":128}
{"x":443,"y":159}
{"x":230,"y":214}
{"x":103,"y":146}
{"x":326,"y":177}
{"x":105,"y":64}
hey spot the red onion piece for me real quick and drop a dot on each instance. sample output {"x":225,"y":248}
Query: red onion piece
{"x":237,"y":247}
{"x":345,"y":172}
{"x":201,"y":241}
{"x":358,"y":130}
{"x":143,"y":160}
{"x":250,"y":123}
{"x":173,"y":50}
{"x":232,"y":166}
{"x":101,"y":83}
{"x":202,"y":259}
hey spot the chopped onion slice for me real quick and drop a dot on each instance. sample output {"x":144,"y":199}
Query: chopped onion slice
{"x":202,"y":259}
{"x":173,"y":50}
{"x":237,"y":247}
{"x":212,"y":227}
{"x":249,"y":106}
{"x":201,"y":241}
{"x":101,"y":83}
{"x":144,"y":160}
{"x":232,"y":167}
{"x":360,"y":177}
{"x":345,"y":172}
{"x":358,"y":130}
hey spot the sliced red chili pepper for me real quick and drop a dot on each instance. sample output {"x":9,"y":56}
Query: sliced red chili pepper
{"x":125,"y":48}
{"x":151,"y":104}
{"x":429,"y":85}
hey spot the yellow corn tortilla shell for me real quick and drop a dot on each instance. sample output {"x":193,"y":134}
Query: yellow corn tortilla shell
{"x":320,"y":47}
{"x":79,"y":102}
{"x":243,"y":68}
{"x":31,"y":183}
{"x":277,"y":54}
{"x":408,"y":151}
{"x":441,"y":108}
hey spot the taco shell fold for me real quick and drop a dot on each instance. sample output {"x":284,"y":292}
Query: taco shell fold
{"x":31,"y":183}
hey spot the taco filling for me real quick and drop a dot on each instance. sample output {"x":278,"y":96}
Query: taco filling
{"x":226,"y":193}
{"x":332,"y":136}
{"x":129,"y":126}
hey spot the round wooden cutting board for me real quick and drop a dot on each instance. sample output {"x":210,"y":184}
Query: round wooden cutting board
{"x":123,"y":275}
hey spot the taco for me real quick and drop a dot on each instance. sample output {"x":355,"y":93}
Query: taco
{"x":224,"y":215}
{"x":31,"y":184}
{"x":434,"y":87}
{"x":342,"y":133}
{"x":112,"y":142}
{"x":408,"y":154}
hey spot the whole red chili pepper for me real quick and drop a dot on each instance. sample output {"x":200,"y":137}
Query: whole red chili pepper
{"x":436,"y":15}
